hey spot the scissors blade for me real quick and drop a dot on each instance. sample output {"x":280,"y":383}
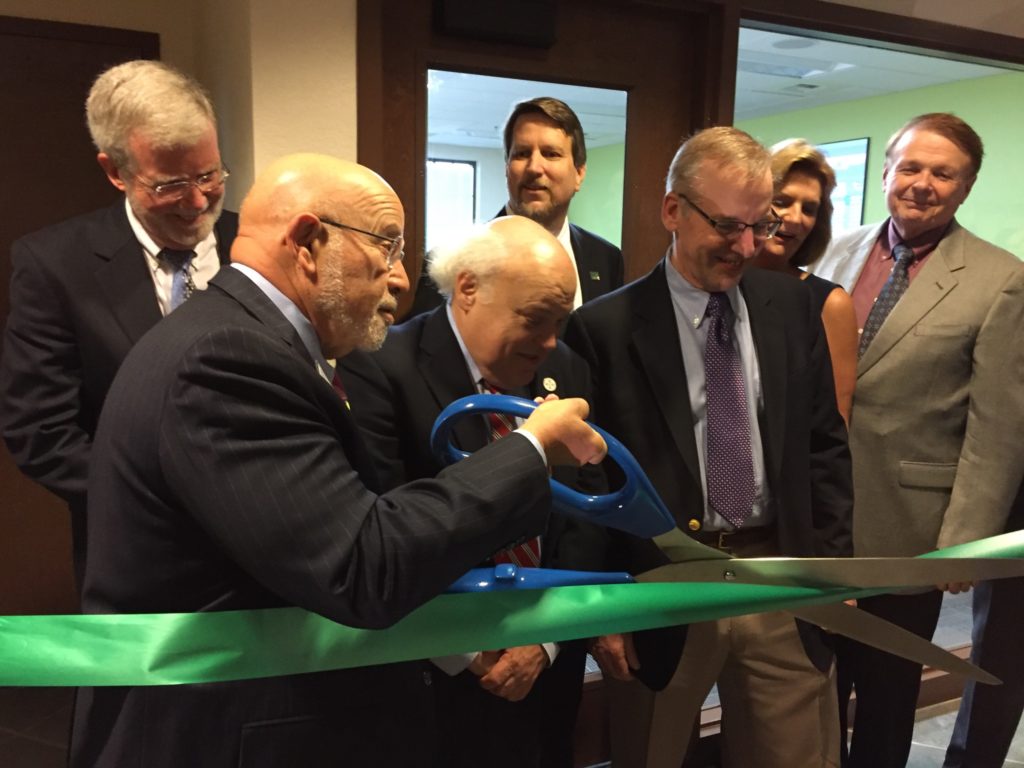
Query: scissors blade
{"x":869,"y":629}
{"x":853,"y":572}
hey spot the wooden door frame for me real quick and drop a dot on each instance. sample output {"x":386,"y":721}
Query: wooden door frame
{"x":697,"y":103}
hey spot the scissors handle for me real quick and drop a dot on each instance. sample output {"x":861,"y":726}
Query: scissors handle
{"x":509,"y":576}
{"x":635,"y":508}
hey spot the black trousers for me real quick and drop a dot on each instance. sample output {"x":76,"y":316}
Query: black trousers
{"x":989,"y":714}
{"x":477,"y":728}
{"x":887,"y":686}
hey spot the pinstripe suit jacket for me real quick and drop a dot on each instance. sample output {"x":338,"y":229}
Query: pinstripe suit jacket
{"x":938,"y":409}
{"x":226,"y":474}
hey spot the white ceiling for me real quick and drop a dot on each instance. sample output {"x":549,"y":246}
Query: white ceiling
{"x":775,"y":73}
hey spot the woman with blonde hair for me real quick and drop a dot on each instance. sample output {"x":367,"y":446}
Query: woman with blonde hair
{"x":803,"y":185}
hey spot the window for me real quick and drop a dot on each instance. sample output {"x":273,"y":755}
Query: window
{"x":451,"y":198}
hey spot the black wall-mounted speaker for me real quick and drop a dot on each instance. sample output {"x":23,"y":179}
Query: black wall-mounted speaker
{"x":520,"y":22}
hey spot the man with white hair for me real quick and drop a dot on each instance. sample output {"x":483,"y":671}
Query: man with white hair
{"x":85,"y":290}
{"x":509,"y":288}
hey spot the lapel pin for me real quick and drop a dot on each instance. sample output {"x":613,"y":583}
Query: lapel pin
{"x":595,"y":275}
{"x":549,"y":384}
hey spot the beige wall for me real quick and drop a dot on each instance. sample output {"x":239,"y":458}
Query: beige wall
{"x":1004,"y":17}
{"x":282,"y":74}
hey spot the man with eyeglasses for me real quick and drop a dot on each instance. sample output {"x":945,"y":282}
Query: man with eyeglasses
{"x":228,"y":474}
{"x":717,"y":377}
{"x":938,"y":412}
{"x":85,"y":290}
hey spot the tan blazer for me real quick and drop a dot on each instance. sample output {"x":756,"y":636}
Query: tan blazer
{"x":937,"y":432}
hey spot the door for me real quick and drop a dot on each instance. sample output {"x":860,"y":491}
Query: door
{"x":668,"y":60}
{"x":46,"y":69}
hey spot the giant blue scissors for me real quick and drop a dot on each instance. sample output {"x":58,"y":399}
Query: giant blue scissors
{"x":637,"y":509}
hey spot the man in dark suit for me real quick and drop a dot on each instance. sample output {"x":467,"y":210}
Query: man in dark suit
{"x":754,"y":462}
{"x":510,"y":287}
{"x":85,"y":290}
{"x":227,"y":473}
{"x":545,"y":163}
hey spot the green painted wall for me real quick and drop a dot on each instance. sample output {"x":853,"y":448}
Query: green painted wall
{"x":598,"y":204}
{"x":994,"y":106}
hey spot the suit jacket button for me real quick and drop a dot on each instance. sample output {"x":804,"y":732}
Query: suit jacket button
{"x":693,"y":525}
{"x":427,"y":679}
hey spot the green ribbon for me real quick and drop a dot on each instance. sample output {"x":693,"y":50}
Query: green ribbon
{"x":176,"y":648}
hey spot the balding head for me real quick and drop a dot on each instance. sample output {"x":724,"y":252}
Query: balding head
{"x":338,"y":277}
{"x":511,"y":285}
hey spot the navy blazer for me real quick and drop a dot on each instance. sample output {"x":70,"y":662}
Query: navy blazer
{"x":631,"y":341}
{"x":81,"y":297}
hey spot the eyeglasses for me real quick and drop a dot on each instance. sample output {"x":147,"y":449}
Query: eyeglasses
{"x":395,"y":252}
{"x":731,"y":228}
{"x":173,"y":191}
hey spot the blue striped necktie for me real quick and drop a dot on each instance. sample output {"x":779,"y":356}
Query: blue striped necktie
{"x":181,"y":262}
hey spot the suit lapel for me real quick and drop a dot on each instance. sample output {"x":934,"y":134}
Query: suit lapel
{"x":936,"y":279}
{"x":444,"y":371}
{"x":656,"y":341}
{"x":123,"y":276}
{"x":590,"y":274}
{"x":768,"y":331}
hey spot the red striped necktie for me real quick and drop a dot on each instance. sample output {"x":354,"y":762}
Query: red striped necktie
{"x":340,"y":389}
{"x":527,"y":553}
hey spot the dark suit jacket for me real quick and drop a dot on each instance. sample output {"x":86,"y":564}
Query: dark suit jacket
{"x":599,"y":264}
{"x":631,"y":341}
{"x":81,"y":296}
{"x":226,"y":474}
{"x":396,"y":394}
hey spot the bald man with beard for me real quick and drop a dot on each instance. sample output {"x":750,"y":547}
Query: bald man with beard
{"x":228,"y":474}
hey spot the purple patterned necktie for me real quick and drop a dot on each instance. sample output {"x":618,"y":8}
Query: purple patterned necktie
{"x":729,"y":462}
{"x":895,"y":286}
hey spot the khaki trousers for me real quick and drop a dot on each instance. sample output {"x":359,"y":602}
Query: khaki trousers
{"x":778,"y":709}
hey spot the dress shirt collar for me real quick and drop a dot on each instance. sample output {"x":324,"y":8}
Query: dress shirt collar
{"x":922,"y":245}
{"x":693,"y":302}
{"x":474,"y":370}
{"x":294,"y":316}
{"x":151,"y":249}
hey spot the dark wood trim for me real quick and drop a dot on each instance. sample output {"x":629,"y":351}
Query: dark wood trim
{"x":147,"y":42}
{"x":864,"y":27}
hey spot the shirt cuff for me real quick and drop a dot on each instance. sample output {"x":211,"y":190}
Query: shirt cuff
{"x":536,"y":443}
{"x":453,"y":665}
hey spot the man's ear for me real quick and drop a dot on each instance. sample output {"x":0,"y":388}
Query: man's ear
{"x":581,"y":172}
{"x":303,"y":236}
{"x":112,"y":171}
{"x":670,"y":211}
{"x":466,"y":290}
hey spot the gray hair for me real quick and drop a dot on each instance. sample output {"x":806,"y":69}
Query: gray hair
{"x":170,"y":108}
{"x":482,"y":252}
{"x":721,"y":147}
